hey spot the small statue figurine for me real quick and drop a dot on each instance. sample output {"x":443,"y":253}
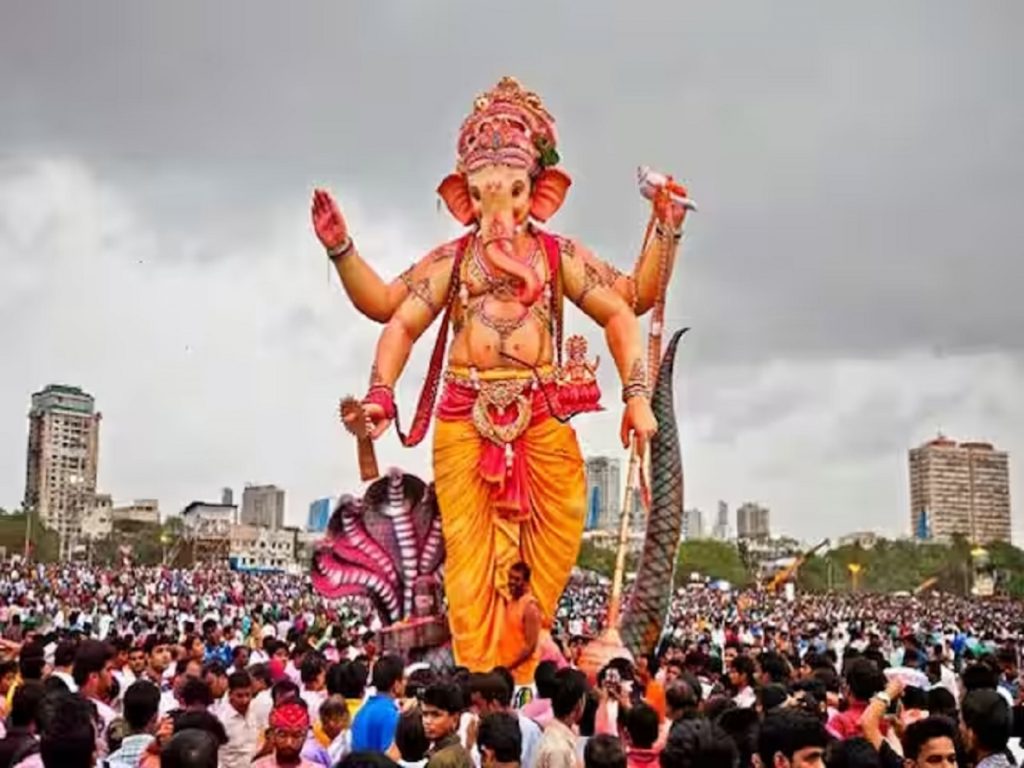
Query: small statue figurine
{"x":578,"y":390}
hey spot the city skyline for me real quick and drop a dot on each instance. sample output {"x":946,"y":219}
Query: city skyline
{"x":844,"y":304}
{"x":263,"y":505}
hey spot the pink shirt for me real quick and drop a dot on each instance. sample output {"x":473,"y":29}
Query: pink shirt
{"x":846,"y":725}
{"x":539,"y":710}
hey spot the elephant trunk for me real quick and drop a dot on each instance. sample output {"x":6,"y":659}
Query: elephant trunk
{"x":645,"y":614}
{"x":496,"y":232}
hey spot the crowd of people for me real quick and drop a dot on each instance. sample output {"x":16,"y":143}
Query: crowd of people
{"x":203,"y":668}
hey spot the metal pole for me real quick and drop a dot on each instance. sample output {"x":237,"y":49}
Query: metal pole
{"x":615,"y":601}
{"x":28,"y":532}
{"x":635,"y":473}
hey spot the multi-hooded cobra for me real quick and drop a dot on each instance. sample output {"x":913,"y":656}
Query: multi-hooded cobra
{"x":377,"y":546}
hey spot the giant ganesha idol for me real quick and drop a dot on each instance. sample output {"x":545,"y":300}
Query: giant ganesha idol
{"x":508,"y":472}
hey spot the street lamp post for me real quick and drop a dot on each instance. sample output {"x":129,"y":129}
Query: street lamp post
{"x":855,"y":569}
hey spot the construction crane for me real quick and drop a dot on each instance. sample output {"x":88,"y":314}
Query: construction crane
{"x":785,"y":574}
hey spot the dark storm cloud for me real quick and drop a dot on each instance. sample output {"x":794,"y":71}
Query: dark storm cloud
{"x":858,"y":166}
{"x":859,"y":170}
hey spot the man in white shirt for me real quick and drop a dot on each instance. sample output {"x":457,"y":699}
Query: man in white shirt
{"x":93,"y":673}
{"x":491,"y":694}
{"x":240,"y":723}
{"x":239,"y":659}
{"x":262,"y":702}
{"x":313,"y":674}
{"x":741,"y":676}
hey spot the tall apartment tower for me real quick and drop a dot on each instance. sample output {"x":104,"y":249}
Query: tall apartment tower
{"x":63,"y":457}
{"x":604,"y":491}
{"x":693,"y":524}
{"x":752,"y":522}
{"x":263,"y":506}
{"x":959,"y":488}
{"x":721,"y":528}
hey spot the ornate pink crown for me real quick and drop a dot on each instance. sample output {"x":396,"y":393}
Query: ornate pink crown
{"x":508,"y":126}
{"x":576,"y":346}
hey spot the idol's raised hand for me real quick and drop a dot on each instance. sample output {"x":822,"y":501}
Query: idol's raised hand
{"x":328,"y":223}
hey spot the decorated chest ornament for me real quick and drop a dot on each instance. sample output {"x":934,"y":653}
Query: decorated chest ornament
{"x":508,"y":126}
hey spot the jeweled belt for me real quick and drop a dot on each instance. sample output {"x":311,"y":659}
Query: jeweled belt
{"x":501,"y":388}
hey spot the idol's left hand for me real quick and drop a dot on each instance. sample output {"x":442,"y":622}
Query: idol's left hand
{"x":668,"y":212}
{"x":638,"y":423}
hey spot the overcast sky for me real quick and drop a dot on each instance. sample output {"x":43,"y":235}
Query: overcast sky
{"x":852,"y":280}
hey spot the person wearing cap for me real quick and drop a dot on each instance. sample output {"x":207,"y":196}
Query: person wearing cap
{"x":289,"y":726}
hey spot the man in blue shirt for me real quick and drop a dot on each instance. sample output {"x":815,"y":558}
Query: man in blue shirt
{"x":216,"y":648}
{"x":373,"y":729}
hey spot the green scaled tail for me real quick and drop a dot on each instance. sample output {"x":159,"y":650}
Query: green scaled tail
{"x":647,"y":609}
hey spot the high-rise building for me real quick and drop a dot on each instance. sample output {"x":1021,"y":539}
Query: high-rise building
{"x":959,"y":488}
{"x":721,"y":531}
{"x":752,"y":522}
{"x":96,"y":520}
{"x":320,"y":512}
{"x":263,"y":506}
{"x":693,"y":524}
{"x":593,"y":514}
{"x":63,"y":458}
{"x":604,"y":491}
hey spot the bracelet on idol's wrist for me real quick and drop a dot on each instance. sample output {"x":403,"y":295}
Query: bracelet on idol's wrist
{"x":341,"y":249}
{"x":384,"y":396}
{"x":635,"y":390}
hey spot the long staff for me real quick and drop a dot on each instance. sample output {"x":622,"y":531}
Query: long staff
{"x":662,"y":190}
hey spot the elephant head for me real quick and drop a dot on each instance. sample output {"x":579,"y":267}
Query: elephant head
{"x":505,"y":176}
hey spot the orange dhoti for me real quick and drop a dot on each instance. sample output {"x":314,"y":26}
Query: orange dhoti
{"x":502,"y":503}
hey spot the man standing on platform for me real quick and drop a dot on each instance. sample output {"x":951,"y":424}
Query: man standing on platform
{"x":520,"y":642}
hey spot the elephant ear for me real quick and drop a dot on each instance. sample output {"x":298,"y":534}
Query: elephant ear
{"x":549,"y":190}
{"x":455,"y":192}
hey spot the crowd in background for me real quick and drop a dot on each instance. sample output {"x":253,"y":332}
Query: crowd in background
{"x":202,"y":668}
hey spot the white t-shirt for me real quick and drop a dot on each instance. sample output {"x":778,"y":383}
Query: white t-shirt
{"x":313,"y":701}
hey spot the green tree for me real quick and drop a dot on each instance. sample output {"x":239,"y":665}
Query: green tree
{"x":44,"y":544}
{"x":712,"y":559}
{"x":601,"y":559}
{"x":894,"y":566}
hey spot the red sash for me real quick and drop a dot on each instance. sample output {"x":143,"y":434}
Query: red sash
{"x":428,"y":395}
